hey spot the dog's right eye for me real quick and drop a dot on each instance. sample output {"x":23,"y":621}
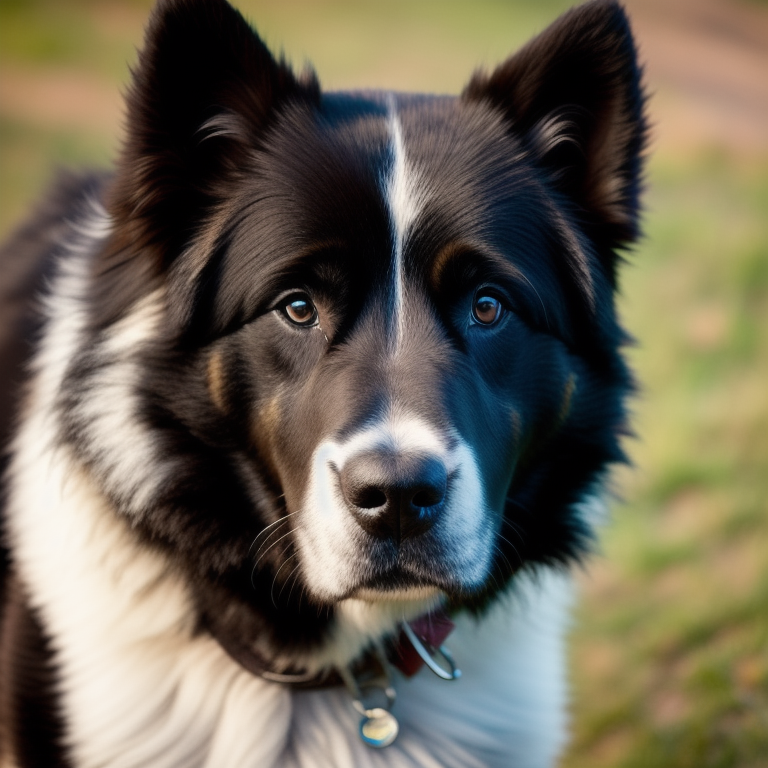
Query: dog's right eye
{"x":300,"y":310}
{"x":487,"y":309}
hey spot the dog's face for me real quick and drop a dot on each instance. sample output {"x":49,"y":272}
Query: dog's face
{"x":396,"y":355}
{"x":389,"y":367}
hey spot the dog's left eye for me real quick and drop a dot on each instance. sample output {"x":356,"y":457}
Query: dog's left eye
{"x":487,"y":309}
{"x":300,"y":310}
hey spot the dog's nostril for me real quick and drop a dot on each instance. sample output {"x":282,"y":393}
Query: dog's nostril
{"x":428,"y":497}
{"x":430,"y":483}
{"x":369,"y":498}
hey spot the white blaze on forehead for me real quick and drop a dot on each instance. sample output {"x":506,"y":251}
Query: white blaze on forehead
{"x":406,"y":194}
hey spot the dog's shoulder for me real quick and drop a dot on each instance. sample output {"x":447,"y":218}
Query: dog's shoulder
{"x":26,"y":259}
{"x":26,"y":264}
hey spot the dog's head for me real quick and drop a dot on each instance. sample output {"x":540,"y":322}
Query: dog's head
{"x":388,"y":363}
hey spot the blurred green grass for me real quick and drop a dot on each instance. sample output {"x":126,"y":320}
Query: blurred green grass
{"x":670,"y":654}
{"x":670,"y":643}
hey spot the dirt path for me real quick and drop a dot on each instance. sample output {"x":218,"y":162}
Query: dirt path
{"x":707,"y":68}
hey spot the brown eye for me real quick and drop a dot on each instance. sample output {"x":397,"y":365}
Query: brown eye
{"x":300,"y":311}
{"x":487,"y":310}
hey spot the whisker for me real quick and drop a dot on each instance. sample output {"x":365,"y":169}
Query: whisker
{"x":279,"y":521}
{"x":280,"y":593}
{"x":517,"y":552}
{"x":295,"y":582}
{"x":538,"y":295}
{"x":264,"y":554}
{"x":517,"y":504}
{"x":503,"y":556}
{"x":274,"y":580}
{"x":260,"y":557}
{"x":496,"y":582}
{"x":517,"y":529}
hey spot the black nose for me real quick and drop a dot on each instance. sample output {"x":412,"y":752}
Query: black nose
{"x":394,"y":496}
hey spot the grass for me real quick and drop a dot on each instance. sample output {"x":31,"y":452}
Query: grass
{"x":30,"y":154}
{"x":670,"y":643}
{"x":670,"y":652}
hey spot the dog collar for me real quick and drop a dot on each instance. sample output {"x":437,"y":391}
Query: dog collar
{"x":369,"y":678}
{"x":419,"y":643}
{"x":370,"y":681}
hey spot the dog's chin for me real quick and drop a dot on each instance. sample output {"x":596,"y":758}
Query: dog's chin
{"x":404,"y":584}
{"x":398,"y":594}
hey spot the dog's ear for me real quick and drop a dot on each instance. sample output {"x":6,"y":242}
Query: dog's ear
{"x":205,"y":90}
{"x":574,"y":96}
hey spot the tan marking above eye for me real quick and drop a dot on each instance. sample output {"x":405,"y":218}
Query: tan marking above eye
{"x":441,"y":261}
{"x":217,"y":380}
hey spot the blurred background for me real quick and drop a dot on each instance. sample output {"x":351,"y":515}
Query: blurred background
{"x":670,"y":641}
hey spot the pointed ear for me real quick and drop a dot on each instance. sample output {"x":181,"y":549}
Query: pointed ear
{"x":574,"y":97}
{"x":204,"y":92}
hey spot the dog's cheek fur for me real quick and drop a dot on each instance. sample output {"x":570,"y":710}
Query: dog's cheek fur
{"x":503,"y":411}
{"x":203,"y":498}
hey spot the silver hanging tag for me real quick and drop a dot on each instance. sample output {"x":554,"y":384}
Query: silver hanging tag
{"x":378,"y":728}
{"x":373,"y":696}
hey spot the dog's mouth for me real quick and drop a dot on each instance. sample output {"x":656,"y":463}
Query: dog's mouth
{"x":420,"y":568}
{"x":384,"y":591}
{"x":398,"y":582}
{"x":382,"y":571}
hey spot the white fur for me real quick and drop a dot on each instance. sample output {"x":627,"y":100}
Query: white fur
{"x":406,"y":195}
{"x":128,"y":461}
{"x":328,"y":536}
{"x":140,"y":688}
{"x":121,"y":447}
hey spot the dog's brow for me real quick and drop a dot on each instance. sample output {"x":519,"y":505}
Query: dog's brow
{"x":444,"y":256}
{"x":319,"y":250}
{"x":475,"y":253}
{"x":313,"y":257}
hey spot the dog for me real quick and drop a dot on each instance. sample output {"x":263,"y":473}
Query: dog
{"x":315,"y":395}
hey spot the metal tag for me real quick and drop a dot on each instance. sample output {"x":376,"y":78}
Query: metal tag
{"x":378,"y":728}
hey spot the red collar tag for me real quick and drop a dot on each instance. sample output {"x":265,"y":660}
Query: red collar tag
{"x":432,"y":629}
